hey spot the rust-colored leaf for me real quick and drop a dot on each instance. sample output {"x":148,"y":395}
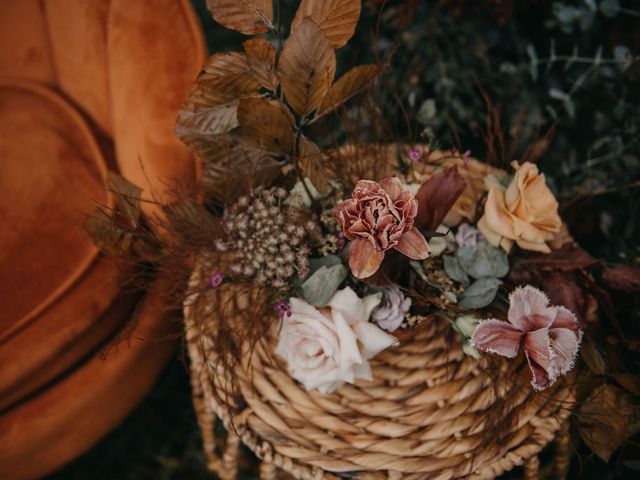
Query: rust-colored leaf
{"x":564,"y":289}
{"x":267,"y":122}
{"x":436,"y":197}
{"x":126,"y":196}
{"x":568,"y":257}
{"x":245,"y":16}
{"x":347,"y":86}
{"x":262,"y":59}
{"x":211,"y":106}
{"x":306,"y":67}
{"x":106,"y":234}
{"x":337,"y":18}
{"x":622,"y":277}
{"x":628,"y":381}
{"x":603,"y":420}
{"x":223,"y":156}
{"x":312,"y":163}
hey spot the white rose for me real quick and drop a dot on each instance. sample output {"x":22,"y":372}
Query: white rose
{"x":326,"y":347}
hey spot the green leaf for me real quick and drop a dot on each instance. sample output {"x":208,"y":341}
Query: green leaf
{"x":483,"y":261}
{"x":480,"y":293}
{"x":454,"y":270}
{"x":326,"y":261}
{"x":320,"y":287}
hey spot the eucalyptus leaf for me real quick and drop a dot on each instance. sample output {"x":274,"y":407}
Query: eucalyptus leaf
{"x":483,"y":261}
{"x":480,"y":293}
{"x":454,"y":270}
{"x":320,"y":287}
{"x":326,"y":261}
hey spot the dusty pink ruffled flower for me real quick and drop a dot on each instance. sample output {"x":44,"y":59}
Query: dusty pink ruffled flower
{"x":378,"y":217}
{"x":550,"y":335}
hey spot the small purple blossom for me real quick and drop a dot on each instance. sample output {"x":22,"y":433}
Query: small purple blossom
{"x":341,"y":241}
{"x":415,"y":154}
{"x":466,"y":157}
{"x":283,"y":309}
{"x":391,"y":312}
{"x":467,"y":236}
{"x":215,"y":279}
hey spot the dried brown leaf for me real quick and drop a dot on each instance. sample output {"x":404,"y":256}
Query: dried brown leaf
{"x":127,"y":199}
{"x":593,"y":357}
{"x":211,"y":106}
{"x":347,"y":86}
{"x":628,"y":381}
{"x":622,"y":277}
{"x":245,"y":16}
{"x":262,"y":59}
{"x":603,"y":420}
{"x":306,"y":67}
{"x":312,"y":163}
{"x":222,"y":157}
{"x":436,"y":196}
{"x":568,"y":257}
{"x":268,"y":123}
{"x":106,"y":234}
{"x":337,"y":18}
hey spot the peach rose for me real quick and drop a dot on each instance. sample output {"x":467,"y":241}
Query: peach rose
{"x":326,"y":347}
{"x":526,"y":212}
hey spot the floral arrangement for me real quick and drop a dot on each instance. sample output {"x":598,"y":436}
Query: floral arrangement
{"x":347,"y":250}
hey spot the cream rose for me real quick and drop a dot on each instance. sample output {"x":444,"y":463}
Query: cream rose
{"x":526,"y":212}
{"x":327,"y":347}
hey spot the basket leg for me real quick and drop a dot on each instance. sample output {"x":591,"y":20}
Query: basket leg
{"x":206,"y":421}
{"x":268,"y":471}
{"x":229,"y":466}
{"x":532,"y":468}
{"x":562,"y":454}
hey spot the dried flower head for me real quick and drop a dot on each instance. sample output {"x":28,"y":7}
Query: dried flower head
{"x":268,"y":238}
{"x":379,"y":217}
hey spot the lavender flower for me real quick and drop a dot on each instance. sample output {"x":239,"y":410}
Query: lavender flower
{"x":415,"y":154}
{"x":393,"y":309}
{"x":283,"y":309}
{"x":467,"y":236}
{"x":215,"y":279}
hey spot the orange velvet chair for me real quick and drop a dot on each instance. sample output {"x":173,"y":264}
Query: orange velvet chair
{"x":85,"y":86}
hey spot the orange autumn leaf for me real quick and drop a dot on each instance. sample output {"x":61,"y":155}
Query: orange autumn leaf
{"x":312,"y":164}
{"x":262,"y":60}
{"x":336,"y":18}
{"x":245,"y":16}
{"x":347,"y":86}
{"x":268,"y":123}
{"x":211,"y":106}
{"x":306,"y":67}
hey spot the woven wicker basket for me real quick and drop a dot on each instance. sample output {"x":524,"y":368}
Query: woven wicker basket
{"x":431,"y":412}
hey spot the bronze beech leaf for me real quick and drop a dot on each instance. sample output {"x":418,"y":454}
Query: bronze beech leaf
{"x":604,"y":419}
{"x":306,"y":67}
{"x":347,"y":86}
{"x":222,"y":157}
{"x":262,"y":60}
{"x":268,"y":123}
{"x":312,"y":163}
{"x":436,"y":196}
{"x":336,"y":18}
{"x":211,"y":106}
{"x":126,"y":197}
{"x":249,"y":17}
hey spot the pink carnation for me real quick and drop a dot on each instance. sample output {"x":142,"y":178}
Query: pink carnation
{"x":550,"y":335}
{"x":379,"y":217}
